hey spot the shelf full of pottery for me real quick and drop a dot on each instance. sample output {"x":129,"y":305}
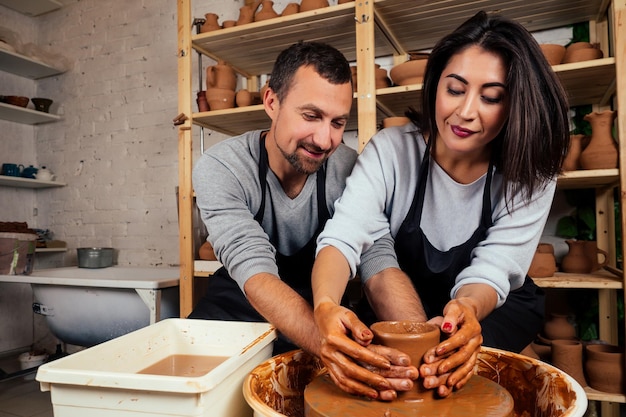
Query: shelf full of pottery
{"x":19,"y":176}
{"x":239,"y":44}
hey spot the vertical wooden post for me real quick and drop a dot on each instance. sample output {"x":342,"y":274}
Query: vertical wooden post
{"x":185,"y":190}
{"x":366,"y":93}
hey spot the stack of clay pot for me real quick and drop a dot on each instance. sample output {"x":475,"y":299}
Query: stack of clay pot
{"x":579,"y":51}
{"x":221,"y":82}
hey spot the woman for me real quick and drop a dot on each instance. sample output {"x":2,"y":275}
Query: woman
{"x":456,"y":204}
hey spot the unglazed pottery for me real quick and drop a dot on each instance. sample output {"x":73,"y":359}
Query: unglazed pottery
{"x":599,"y":258}
{"x":307,"y":5}
{"x":410,"y":72}
{"x":553,"y":52}
{"x":572,"y":158}
{"x":221,"y":75}
{"x":267,"y":11}
{"x":543,"y":263}
{"x":575,"y":261}
{"x":291,"y":8}
{"x":567,"y":355}
{"x":210,"y":23}
{"x":558,"y":327}
{"x":203,"y":104}
{"x":605,"y":368}
{"x":602,"y":150}
{"x":220,"y":98}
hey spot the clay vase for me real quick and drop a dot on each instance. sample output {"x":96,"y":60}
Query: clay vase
{"x":605,"y":368}
{"x":291,"y":8}
{"x":567,"y":355}
{"x":412,"y":338}
{"x":601,"y":153}
{"x":571,"y":160}
{"x":553,"y":52}
{"x":576,"y":261}
{"x":594,"y":253}
{"x":307,"y":5}
{"x":558,"y":327}
{"x":210,"y":23}
{"x":220,"y":98}
{"x":229,"y":24}
{"x":543,"y":263}
{"x":221,"y":75}
{"x":245,"y":98}
{"x":203,"y":104}
{"x":267,"y":11}
{"x":380,"y":78}
{"x":246,"y":15}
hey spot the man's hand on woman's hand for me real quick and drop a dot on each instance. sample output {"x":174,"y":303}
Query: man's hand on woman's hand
{"x":355,"y":365}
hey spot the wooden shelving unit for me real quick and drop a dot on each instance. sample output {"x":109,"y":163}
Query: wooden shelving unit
{"x":364,"y":31}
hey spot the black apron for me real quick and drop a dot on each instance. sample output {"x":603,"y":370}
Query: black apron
{"x":433,"y":272}
{"x":224,"y":300}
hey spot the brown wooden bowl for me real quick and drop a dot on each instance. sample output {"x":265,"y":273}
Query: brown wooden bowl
{"x":16,"y":100}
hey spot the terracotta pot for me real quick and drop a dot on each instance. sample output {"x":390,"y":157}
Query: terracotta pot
{"x":605,"y":367}
{"x":575,"y":261}
{"x":602,"y":151}
{"x":267,"y":11}
{"x":221,"y":75}
{"x":543,"y":351}
{"x":307,"y":5}
{"x":567,"y":355}
{"x":291,"y":8}
{"x":410,"y":72}
{"x":210,"y":23}
{"x":395,"y":121}
{"x":582,"y":54}
{"x":380,"y":78}
{"x":558,"y":327}
{"x":412,"y":338}
{"x":594,"y":254}
{"x":553,"y":52}
{"x":246,"y":15}
{"x":543,"y":263}
{"x":229,"y":24}
{"x":203,"y":104}
{"x":220,"y":98}
{"x":245,"y":98}
{"x":572,"y":158}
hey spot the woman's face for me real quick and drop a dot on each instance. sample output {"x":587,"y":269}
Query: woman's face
{"x":472,"y":102}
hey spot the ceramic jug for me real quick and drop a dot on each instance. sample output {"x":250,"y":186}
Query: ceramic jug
{"x":307,"y":5}
{"x":601,"y":153}
{"x":576,"y":261}
{"x":29,"y":172}
{"x":220,"y":98}
{"x":210,"y":23}
{"x":44,"y":174}
{"x":291,"y":8}
{"x":267,"y":11}
{"x":246,"y":15}
{"x":221,"y":75}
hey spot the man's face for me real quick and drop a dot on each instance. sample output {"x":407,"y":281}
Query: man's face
{"x":309,"y":122}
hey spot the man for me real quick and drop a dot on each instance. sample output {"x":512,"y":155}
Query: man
{"x":266,"y":195}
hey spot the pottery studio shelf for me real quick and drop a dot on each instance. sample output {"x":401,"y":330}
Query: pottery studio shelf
{"x":601,"y":279}
{"x":19,"y":182}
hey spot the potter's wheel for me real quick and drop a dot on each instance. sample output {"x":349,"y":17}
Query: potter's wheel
{"x":479,"y":397}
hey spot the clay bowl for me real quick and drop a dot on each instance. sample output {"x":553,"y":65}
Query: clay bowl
{"x":42,"y":104}
{"x":583,"y":54}
{"x":553,"y":52}
{"x":410,"y":72}
{"x":16,"y":100}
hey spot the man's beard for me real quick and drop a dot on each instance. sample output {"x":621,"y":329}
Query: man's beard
{"x":302,"y":164}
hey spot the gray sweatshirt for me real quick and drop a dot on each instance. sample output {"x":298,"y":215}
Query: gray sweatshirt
{"x":378,"y":196}
{"x":228,"y":193}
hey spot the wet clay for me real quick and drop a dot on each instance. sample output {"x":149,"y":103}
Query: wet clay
{"x":184,"y":365}
{"x":479,"y":397}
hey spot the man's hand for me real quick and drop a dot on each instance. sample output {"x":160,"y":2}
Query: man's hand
{"x":355,"y":365}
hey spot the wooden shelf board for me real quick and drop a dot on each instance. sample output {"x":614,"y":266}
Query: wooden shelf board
{"x":24,"y":66}
{"x":258,"y":44}
{"x":590,"y":178}
{"x":19,"y":182}
{"x":593,"y":394}
{"x":598,"y":280}
{"x":25,"y":116}
{"x":419,"y":25}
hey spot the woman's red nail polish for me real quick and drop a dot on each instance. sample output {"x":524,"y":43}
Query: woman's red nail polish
{"x":447,"y":327}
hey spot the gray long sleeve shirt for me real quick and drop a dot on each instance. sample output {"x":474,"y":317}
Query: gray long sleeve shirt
{"x":228,"y":193}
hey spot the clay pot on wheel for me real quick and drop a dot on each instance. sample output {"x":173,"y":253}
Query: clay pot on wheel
{"x":602,"y":151}
{"x":605,"y":368}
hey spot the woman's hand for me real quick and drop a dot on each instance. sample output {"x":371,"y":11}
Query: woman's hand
{"x":449,"y":365}
{"x":355,"y":365}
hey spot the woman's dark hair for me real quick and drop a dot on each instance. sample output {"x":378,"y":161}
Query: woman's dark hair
{"x":529,"y":150}
{"x":327,"y":61}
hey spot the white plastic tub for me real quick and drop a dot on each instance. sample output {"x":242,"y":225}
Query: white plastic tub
{"x":104,"y":380}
